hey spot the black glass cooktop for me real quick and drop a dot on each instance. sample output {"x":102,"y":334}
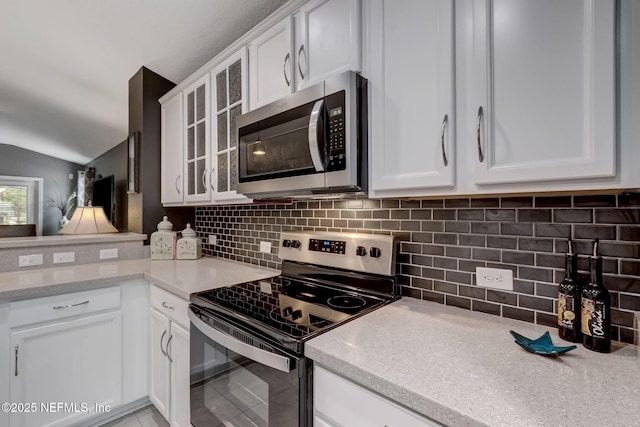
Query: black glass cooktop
{"x":290,"y":306}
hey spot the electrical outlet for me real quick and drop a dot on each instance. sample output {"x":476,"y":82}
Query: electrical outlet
{"x":64,"y":257}
{"x":109,"y":253}
{"x":213,"y":240}
{"x":29,"y":260}
{"x":496,"y":278}
{"x":265,"y":247}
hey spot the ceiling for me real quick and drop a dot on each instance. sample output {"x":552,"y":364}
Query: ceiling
{"x":66,"y":64}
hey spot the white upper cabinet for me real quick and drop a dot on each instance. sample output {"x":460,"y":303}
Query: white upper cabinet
{"x":322,"y":39}
{"x":411,"y":80}
{"x":327,"y":40}
{"x":271,"y":64}
{"x":172,"y":148}
{"x":540,"y":77}
{"x":229,"y":100}
{"x":196,"y":137}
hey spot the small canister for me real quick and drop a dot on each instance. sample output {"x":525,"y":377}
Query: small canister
{"x":163,"y":241}
{"x":189,"y":245}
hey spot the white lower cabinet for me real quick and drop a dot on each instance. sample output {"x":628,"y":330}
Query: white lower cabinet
{"x":69,"y":365}
{"x":169,"y":382}
{"x":339,"y":402}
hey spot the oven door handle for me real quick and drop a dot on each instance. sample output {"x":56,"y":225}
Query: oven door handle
{"x":275,"y":361}
{"x":314,"y":144}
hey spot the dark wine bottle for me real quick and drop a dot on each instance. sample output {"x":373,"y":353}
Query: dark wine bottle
{"x":596,"y":308}
{"x":569,"y":300}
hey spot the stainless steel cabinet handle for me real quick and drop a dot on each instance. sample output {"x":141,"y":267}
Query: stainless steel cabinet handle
{"x":480,"y":154}
{"x":211,"y":179}
{"x":284,"y":69}
{"x":16,"y":371}
{"x":204,"y":179}
{"x":164,"y":304}
{"x":71,"y":305}
{"x":167,"y":353}
{"x":177,"y":179}
{"x":161,"y":346}
{"x":444,"y":154}
{"x":300,"y":52}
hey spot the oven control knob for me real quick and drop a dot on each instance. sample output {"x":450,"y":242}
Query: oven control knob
{"x":295,"y":244}
{"x":286,"y":243}
{"x":375,"y":252}
{"x":361,"y":251}
{"x":296,"y":315}
{"x":287,"y":312}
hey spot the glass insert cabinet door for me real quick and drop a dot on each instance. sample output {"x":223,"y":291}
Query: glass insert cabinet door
{"x":196,"y":141}
{"x":229,"y":93}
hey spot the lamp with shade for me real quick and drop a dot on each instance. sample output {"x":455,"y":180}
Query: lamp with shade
{"x":88,"y":220}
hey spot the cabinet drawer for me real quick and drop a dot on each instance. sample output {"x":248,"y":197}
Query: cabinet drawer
{"x":340,"y":402}
{"x":172,"y":306}
{"x":57,"y":307}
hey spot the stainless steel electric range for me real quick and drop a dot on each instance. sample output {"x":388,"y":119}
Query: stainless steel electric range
{"x":247,"y":340}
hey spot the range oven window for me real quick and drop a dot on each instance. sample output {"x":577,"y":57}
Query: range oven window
{"x":233,"y":390}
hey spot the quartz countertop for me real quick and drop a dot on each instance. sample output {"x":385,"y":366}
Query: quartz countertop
{"x":462,"y":368}
{"x":181,"y":277}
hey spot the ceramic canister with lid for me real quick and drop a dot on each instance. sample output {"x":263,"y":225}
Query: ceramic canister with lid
{"x":163,"y":241}
{"x":189,"y":245}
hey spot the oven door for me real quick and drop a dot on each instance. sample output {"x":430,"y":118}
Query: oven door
{"x":239,"y":380}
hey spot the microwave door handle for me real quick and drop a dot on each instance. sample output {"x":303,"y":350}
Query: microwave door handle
{"x":232,"y":343}
{"x":314,"y":144}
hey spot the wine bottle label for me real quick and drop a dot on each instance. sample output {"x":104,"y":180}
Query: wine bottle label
{"x":566,"y":311}
{"x":593,"y":318}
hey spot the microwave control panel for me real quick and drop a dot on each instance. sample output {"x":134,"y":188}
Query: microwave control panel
{"x":336,"y":159}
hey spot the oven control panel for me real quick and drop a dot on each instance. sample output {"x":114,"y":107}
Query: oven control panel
{"x":330,"y":246}
{"x":370,"y":253}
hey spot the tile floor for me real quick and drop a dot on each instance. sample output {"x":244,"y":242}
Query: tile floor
{"x":144,"y":417}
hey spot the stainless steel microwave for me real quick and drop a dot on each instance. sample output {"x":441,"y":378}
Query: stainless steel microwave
{"x":311,"y":142}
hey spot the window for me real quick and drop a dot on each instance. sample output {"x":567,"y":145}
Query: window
{"x":21,"y":201}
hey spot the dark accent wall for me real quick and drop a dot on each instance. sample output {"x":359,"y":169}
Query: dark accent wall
{"x":15,"y":161}
{"x":144,"y":209}
{"x":444,"y":240}
{"x":114,"y":162}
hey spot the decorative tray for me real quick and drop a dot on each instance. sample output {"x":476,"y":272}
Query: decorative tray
{"x":542,"y":345}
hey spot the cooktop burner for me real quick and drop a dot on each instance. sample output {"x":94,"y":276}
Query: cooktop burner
{"x":346,"y":301}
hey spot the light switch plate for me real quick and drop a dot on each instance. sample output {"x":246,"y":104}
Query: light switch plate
{"x":109,"y":253}
{"x":265,"y":247}
{"x":496,"y":278}
{"x":29,"y":260}
{"x":213,"y":240}
{"x":64,"y":257}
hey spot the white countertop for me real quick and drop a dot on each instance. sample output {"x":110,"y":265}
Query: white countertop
{"x":181,"y":277}
{"x":462,"y":368}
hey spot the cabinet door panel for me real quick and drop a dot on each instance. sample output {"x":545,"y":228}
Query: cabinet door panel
{"x":180,"y":376}
{"x":327,"y":40}
{"x":74,"y":361}
{"x":231,"y":95}
{"x":412,"y":92}
{"x":197,"y":138}
{"x":159,"y":375}
{"x":270,"y":64}
{"x":172,"y":143}
{"x":544,"y":73}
